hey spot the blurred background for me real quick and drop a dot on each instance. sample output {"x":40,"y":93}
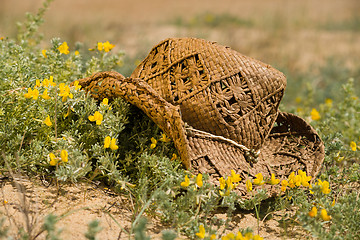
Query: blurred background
{"x":315,"y":43}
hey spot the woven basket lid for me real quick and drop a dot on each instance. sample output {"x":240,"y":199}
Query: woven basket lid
{"x":219,"y":107}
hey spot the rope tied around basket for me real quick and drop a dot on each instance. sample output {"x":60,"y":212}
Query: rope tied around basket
{"x":250,"y":154}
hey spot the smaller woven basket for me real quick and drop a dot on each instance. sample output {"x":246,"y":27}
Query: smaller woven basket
{"x":219,"y":107}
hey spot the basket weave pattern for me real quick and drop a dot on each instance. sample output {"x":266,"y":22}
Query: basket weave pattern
{"x":218,"y":90}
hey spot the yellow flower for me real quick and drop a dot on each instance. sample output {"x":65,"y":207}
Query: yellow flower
{"x":199,"y":180}
{"x":34,"y":94}
{"x":353,"y":145}
{"x":239,"y":236}
{"x":98,"y":117}
{"x":248,"y":236}
{"x":338,"y":158}
{"x":53,"y":159}
{"x":284,"y":184}
{"x":45,"y":95}
{"x":153,"y":143}
{"x":173,"y":157}
{"x":77,"y":53}
{"x":44,"y":53}
{"x":273,"y":180}
{"x":110,"y":143}
{"x":113,"y":145}
{"x":222,"y":183}
{"x":313,"y":212}
{"x":328,"y":102}
{"x":315,"y":115}
{"x":291,"y":183}
{"x":226,"y":193}
{"x":76,"y":85}
{"x":248,"y":185}
{"x":64,"y":156}
{"x":100,"y":46}
{"x":48,"y":82}
{"x":107,"y":142}
{"x":235,"y":177}
{"x":324,"y":185}
{"x":64,"y":48}
{"x":164,"y":138}
{"x":229,"y":183}
{"x":37,"y":83}
{"x":304,"y":179}
{"x":108,"y":46}
{"x":47,"y":121}
{"x":65,"y":92}
{"x":186,"y":183}
{"x":324,"y":215}
{"x":201,"y":233}
{"x":229,"y":236}
{"x":311,"y":187}
{"x":333,"y":203}
{"x":297,"y":180}
{"x":212,"y":237}
{"x":259,"y":180}
{"x":105,"y":101}
{"x":292,"y":180}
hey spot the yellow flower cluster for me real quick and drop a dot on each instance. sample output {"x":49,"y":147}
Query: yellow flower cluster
{"x":53,"y":160}
{"x":47,"y":121}
{"x":110,"y":143}
{"x":153,"y":143}
{"x":353,"y":146}
{"x":34,"y":94}
{"x":240,"y":236}
{"x":97,"y":117}
{"x":105,"y":46}
{"x":228,"y":184}
{"x":323,"y":214}
{"x":324,"y":186}
{"x":163,"y":138}
{"x":186,"y":182}
{"x":301,"y":179}
{"x":64,"y":48}
{"x":198,"y":181}
{"x":259,"y":180}
{"x":315,"y":115}
{"x":64,"y":92}
{"x":174,"y":156}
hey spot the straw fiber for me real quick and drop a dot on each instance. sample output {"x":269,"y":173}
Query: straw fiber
{"x":219,"y":107}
